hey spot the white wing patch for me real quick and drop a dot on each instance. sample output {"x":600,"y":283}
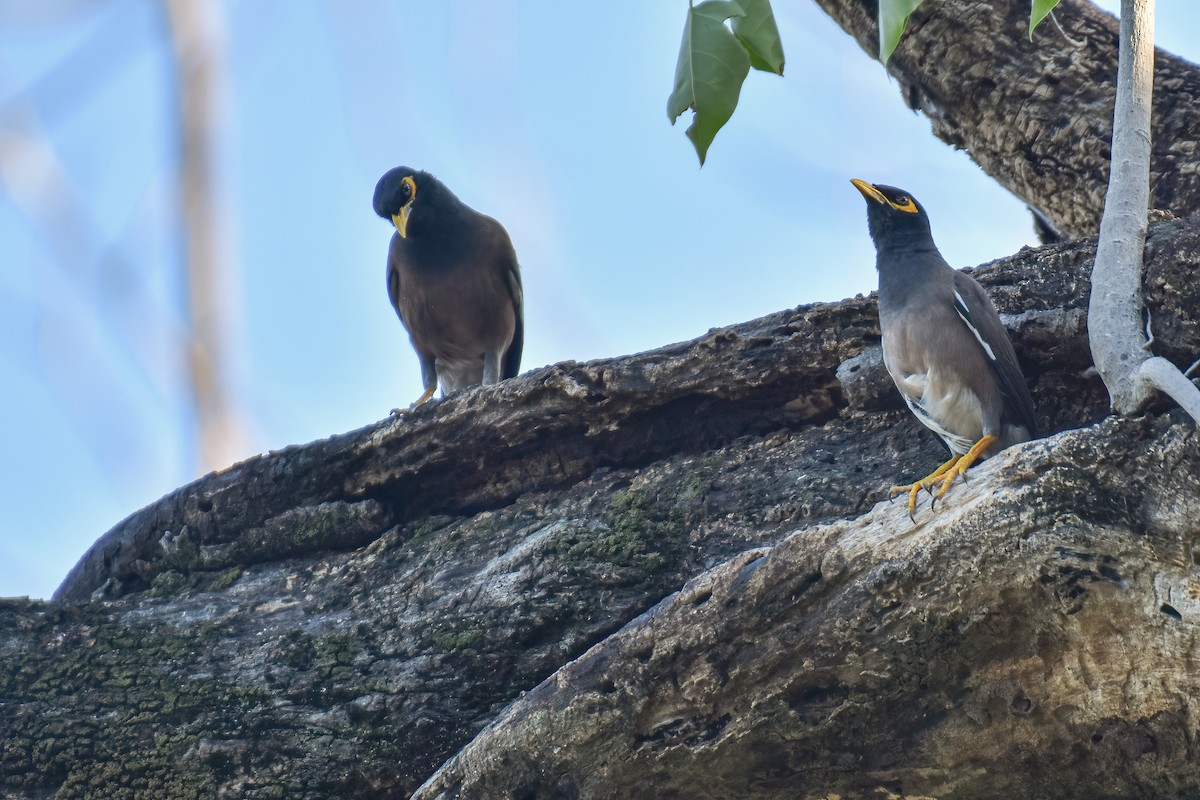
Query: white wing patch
{"x":957,"y":444}
{"x":960,"y":307}
{"x":943,"y":413}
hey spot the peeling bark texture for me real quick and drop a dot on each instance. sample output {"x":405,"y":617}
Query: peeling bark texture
{"x":339,"y":619}
{"x":1037,"y":116}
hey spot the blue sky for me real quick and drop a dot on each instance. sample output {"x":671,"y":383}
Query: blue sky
{"x":549,"y":116}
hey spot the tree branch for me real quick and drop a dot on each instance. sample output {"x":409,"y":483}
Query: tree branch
{"x":990,"y":651}
{"x":1118,"y":339}
{"x":1036,"y":116}
{"x":195,"y":31}
{"x":338,"y":619}
{"x":1161,"y":375}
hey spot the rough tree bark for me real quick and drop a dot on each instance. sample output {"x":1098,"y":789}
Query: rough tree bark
{"x":339,"y":619}
{"x":1037,"y":116}
{"x":1025,"y":643}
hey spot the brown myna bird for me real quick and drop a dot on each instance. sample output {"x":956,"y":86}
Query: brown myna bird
{"x":453,"y":279}
{"x":943,"y":343}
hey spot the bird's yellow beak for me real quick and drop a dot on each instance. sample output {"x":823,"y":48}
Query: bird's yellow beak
{"x":869,"y":191}
{"x":401,"y":220}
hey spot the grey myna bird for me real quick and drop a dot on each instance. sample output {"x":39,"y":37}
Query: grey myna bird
{"x":943,"y":343}
{"x":453,"y":279}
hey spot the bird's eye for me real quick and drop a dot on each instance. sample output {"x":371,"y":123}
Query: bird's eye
{"x":904,"y":203}
{"x":405,"y":189}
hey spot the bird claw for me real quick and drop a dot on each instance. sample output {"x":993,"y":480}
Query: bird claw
{"x":943,"y":477}
{"x":420,"y":401}
{"x":938,"y":476}
{"x":911,"y":490}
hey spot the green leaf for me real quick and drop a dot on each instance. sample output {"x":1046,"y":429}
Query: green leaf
{"x":760,"y":36}
{"x":710,"y":71}
{"x":1038,"y":12}
{"x":893,"y":17}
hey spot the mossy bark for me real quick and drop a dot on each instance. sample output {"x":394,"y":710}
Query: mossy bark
{"x":340,"y":618}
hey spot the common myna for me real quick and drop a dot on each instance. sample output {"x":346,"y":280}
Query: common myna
{"x":943,"y":343}
{"x":453,"y":279}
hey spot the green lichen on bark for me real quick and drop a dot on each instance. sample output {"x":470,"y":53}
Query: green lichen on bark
{"x":112,"y":685}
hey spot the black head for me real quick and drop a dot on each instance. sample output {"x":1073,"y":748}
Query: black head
{"x":894,"y":217}
{"x":403,"y":190}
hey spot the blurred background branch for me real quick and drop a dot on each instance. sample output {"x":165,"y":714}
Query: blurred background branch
{"x":118,"y":270}
{"x":96,"y":321}
{"x":196,"y":31}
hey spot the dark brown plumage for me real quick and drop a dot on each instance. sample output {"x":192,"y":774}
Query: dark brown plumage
{"x":943,"y":342}
{"x":454,"y":281}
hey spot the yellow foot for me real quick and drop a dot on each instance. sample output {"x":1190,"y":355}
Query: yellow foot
{"x":962,"y":466}
{"x":943,"y":475}
{"x":420,"y":401}
{"x":424,"y":398}
{"x":925,"y":483}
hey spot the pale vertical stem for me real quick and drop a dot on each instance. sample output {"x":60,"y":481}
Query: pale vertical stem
{"x":196,"y":35}
{"x":1115,"y":310}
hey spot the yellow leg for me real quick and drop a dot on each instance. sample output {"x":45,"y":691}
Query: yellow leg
{"x":943,"y":475}
{"x":963,"y":465}
{"x":925,"y":483}
{"x":424,"y":398}
{"x":420,"y":401}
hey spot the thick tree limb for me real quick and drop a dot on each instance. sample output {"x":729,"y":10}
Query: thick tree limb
{"x":555,"y":426}
{"x":338,"y":619}
{"x":1037,"y":116}
{"x":1009,"y":647}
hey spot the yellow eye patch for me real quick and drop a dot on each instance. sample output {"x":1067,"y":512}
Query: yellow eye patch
{"x":902,"y":203}
{"x":401,"y":220}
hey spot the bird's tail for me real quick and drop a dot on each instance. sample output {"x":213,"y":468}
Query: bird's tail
{"x":512,"y":356}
